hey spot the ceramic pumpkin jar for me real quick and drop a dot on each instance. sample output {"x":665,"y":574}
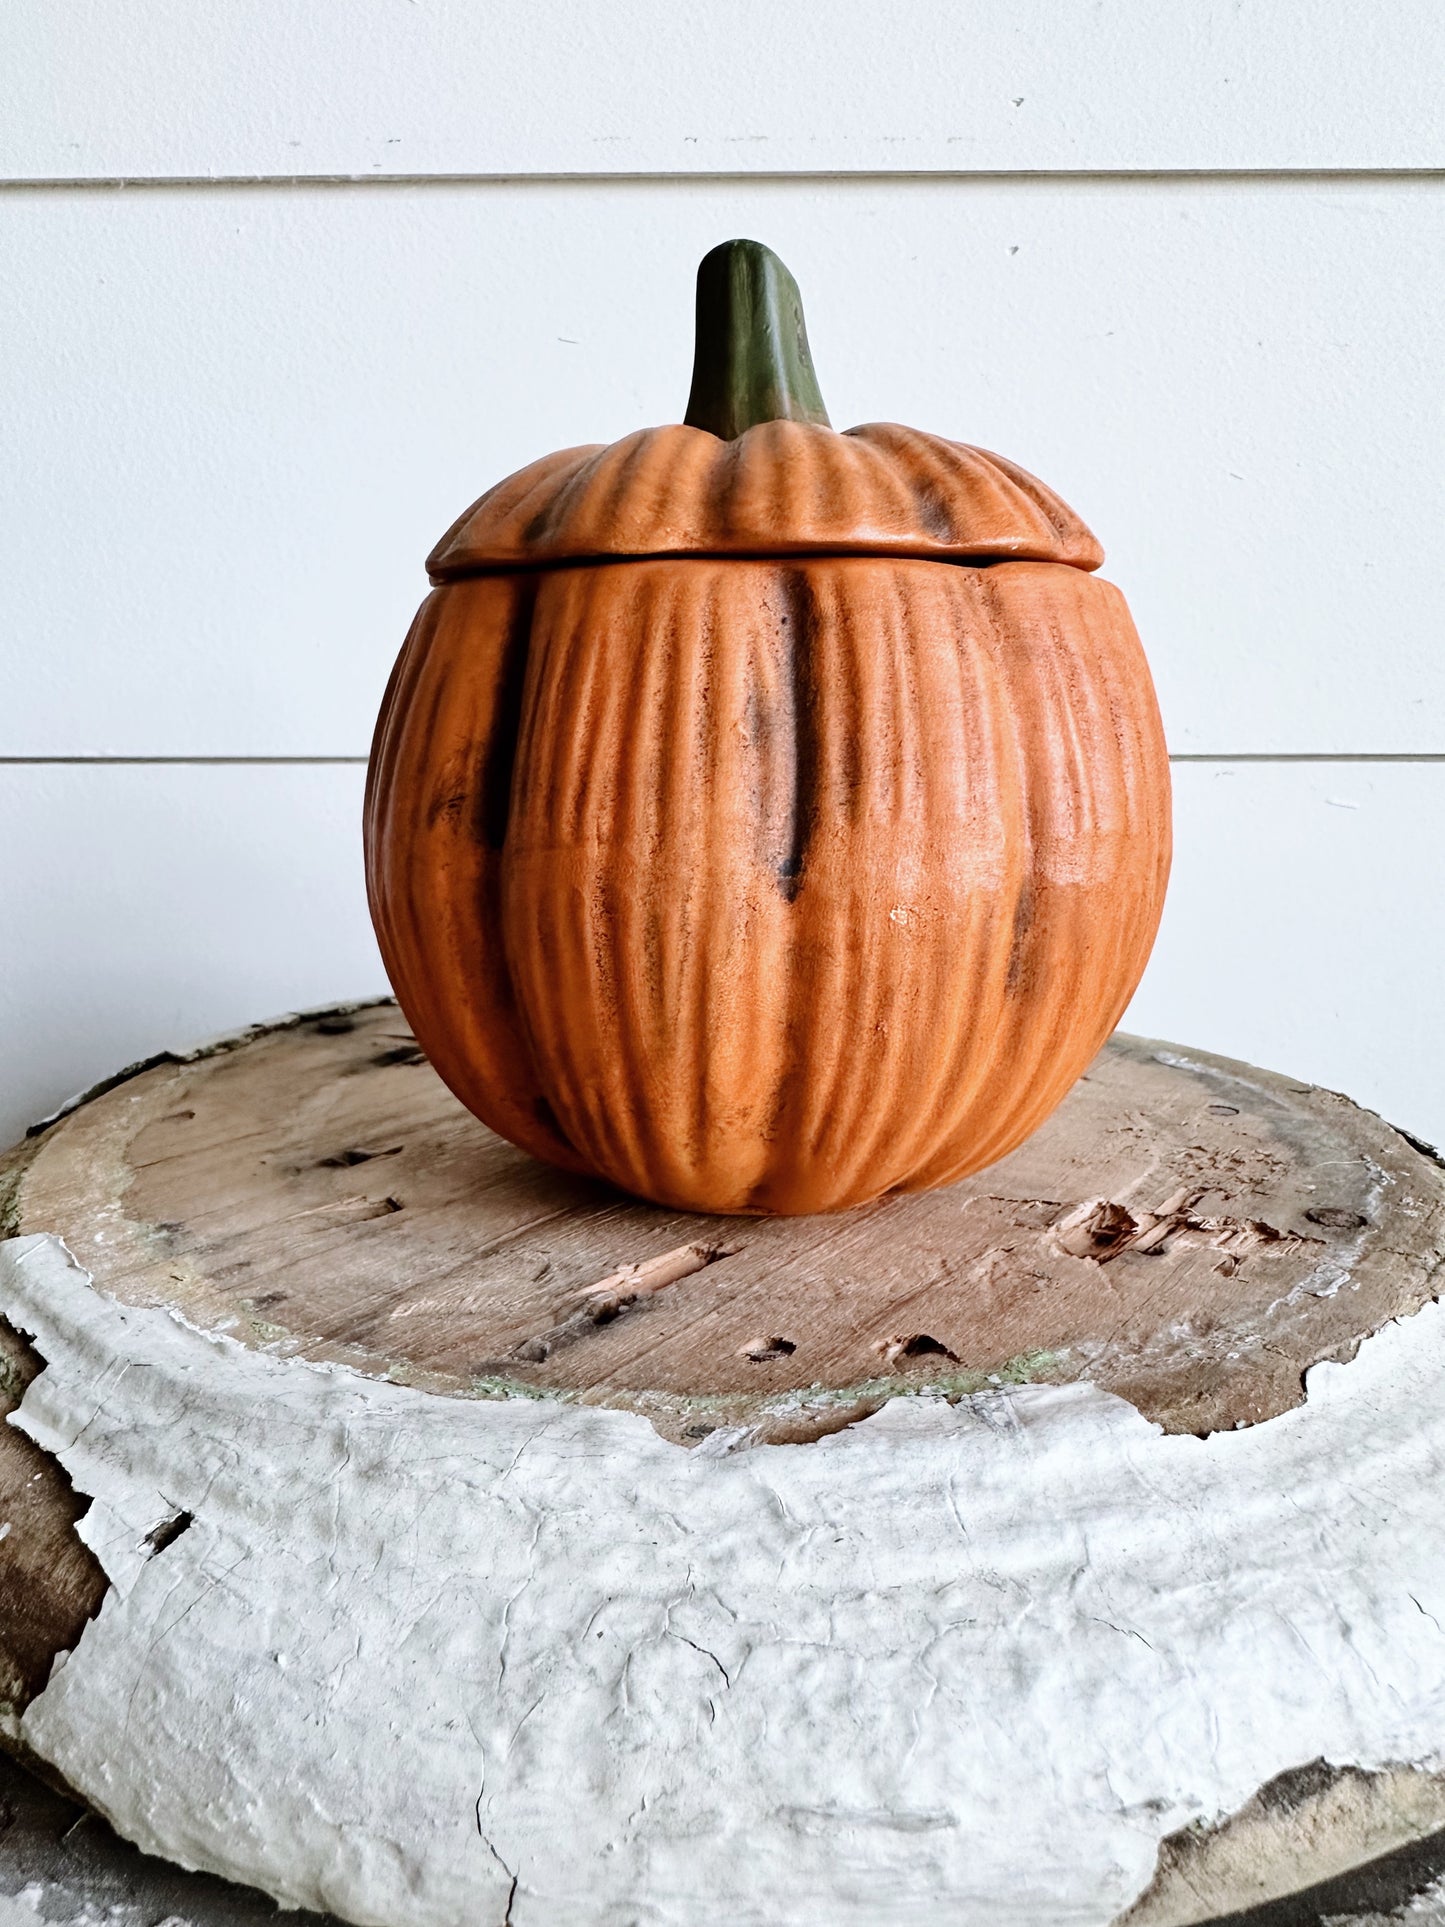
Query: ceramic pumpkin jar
{"x":761,"y":817}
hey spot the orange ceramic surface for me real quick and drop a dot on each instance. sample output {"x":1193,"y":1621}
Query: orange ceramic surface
{"x":768,"y":876}
{"x":783,"y":487}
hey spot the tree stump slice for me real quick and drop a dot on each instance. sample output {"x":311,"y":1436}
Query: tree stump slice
{"x":1188,"y":1234}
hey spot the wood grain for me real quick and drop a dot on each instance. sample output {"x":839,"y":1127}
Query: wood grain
{"x":1189,"y":1233}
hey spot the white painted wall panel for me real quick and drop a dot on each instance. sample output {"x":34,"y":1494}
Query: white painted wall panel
{"x":148,"y":907}
{"x":194,"y":87}
{"x":1304,"y":928}
{"x":239,"y":419}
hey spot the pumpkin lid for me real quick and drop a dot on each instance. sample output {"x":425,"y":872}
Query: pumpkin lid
{"x":756,"y":470}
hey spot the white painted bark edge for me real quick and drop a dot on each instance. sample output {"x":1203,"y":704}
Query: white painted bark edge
{"x":422,"y":1660}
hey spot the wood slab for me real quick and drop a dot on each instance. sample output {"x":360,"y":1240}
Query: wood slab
{"x":1187,"y":1232}
{"x":1192,"y":1234}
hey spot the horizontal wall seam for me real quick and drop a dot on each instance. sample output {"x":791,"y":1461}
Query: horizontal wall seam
{"x":1309,"y":756}
{"x":200,"y":762}
{"x":724,"y":177}
{"x":321,"y":762}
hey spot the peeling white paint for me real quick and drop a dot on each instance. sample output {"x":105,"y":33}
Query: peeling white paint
{"x":26,"y":1909}
{"x":414,"y":1650}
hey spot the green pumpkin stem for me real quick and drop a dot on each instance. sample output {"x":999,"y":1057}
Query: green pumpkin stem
{"x":751,"y":362}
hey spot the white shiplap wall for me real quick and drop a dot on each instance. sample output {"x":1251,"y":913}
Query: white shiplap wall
{"x":285,"y":288}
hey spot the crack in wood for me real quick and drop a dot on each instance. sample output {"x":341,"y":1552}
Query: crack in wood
{"x":1102,"y":1229}
{"x":618,"y":1292}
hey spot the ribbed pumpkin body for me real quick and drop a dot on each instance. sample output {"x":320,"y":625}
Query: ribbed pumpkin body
{"x":768,"y":884}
